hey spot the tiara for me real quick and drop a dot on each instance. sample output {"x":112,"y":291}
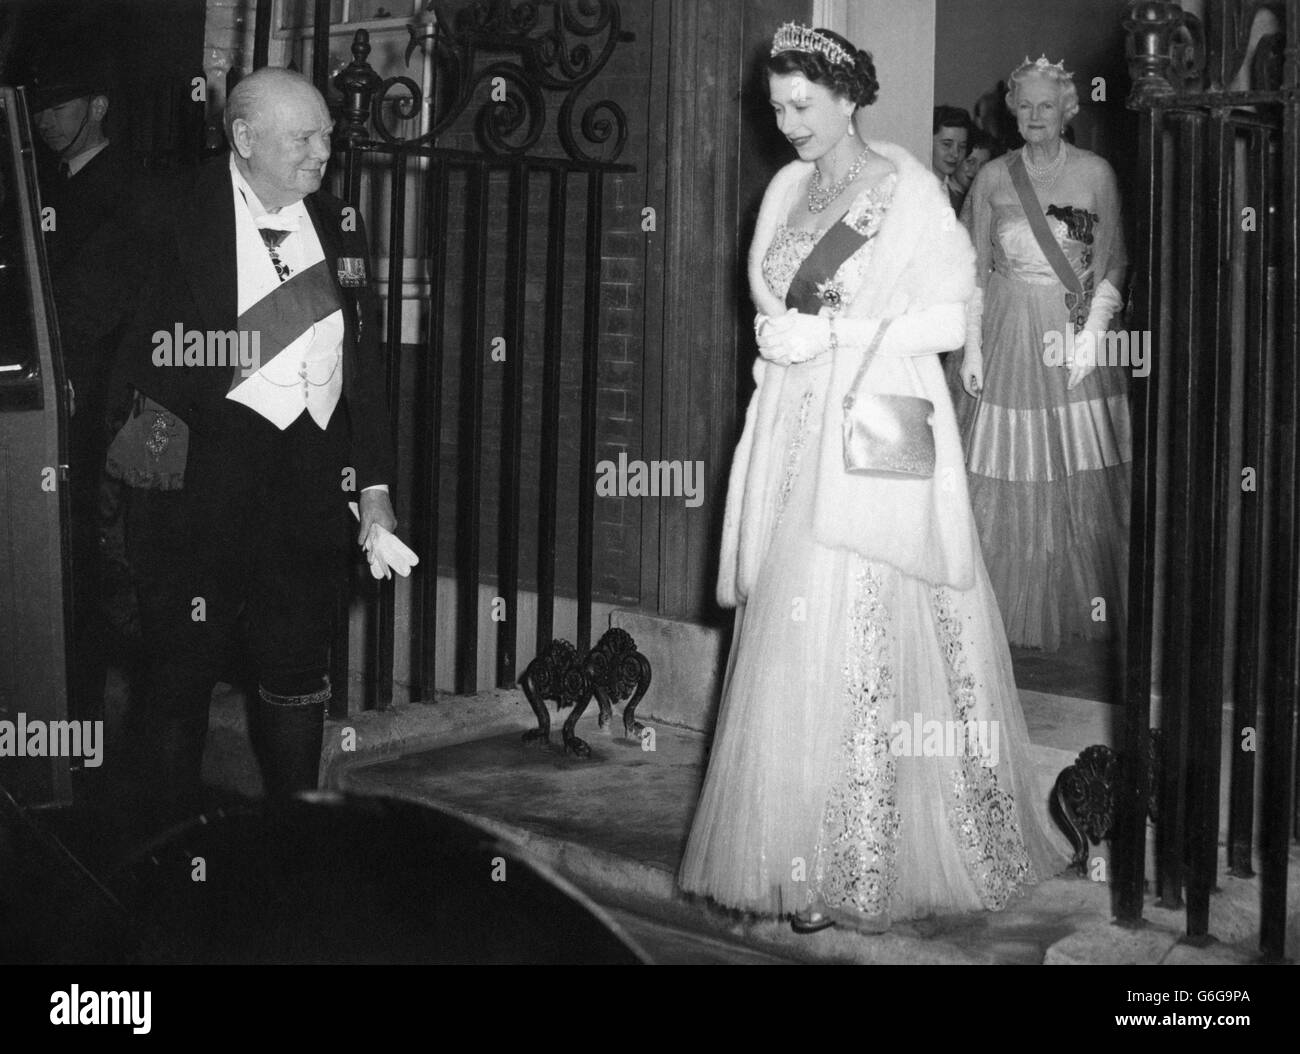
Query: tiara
{"x":794,"y":37}
{"x":1041,"y":65}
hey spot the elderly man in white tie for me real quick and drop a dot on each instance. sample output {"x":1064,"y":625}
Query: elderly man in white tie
{"x":257,"y":378}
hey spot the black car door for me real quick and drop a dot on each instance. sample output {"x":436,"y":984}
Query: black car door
{"x":34,"y":549}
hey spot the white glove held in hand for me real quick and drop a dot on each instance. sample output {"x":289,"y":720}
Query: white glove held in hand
{"x":386,"y":552}
{"x":792,"y":337}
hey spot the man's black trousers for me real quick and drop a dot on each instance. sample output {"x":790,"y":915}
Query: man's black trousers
{"x":246,"y":560}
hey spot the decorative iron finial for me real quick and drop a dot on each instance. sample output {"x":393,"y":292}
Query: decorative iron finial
{"x":1151,"y":25}
{"x":358,"y":82}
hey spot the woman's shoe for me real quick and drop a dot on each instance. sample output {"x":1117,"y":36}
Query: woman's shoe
{"x":814,"y":922}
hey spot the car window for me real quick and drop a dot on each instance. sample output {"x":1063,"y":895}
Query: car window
{"x":18,"y":351}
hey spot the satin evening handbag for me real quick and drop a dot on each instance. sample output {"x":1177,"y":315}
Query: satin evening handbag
{"x":887,"y":434}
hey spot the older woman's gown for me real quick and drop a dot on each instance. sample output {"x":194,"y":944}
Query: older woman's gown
{"x":1048,"y":468}
{"x":804,"y":805}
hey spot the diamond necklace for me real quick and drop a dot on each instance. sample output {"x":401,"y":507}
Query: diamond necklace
{"x":819,"y":199}
{"x":1045,"y":175}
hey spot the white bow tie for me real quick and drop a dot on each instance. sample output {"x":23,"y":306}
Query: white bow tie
{"x":271,"y":221}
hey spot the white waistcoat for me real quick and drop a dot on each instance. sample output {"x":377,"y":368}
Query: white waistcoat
{"x":308,"y":374}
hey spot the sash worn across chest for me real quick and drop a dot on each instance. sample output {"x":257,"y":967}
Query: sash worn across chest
{"x":1078,"y":301}
{"x":834,"y":247}
{"x":288,"y":311}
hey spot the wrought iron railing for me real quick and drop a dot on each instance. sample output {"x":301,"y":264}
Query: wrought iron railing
{"x":502,"y":68}
{"x":1219,"y":134}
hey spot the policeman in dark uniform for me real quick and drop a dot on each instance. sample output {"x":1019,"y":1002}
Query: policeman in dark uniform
{"x":86,"y":181}
{"x":88,"y":176}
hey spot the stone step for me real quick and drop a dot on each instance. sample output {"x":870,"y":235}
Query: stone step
{"x":616,"y":831}
{"x":615,"y":824}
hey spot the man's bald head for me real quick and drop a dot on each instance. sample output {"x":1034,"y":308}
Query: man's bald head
{"x":279,"y":130}
{"x":256,"y":92}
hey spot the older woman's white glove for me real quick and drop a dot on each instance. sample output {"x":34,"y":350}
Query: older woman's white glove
{"x":1106,"y":300}
{"x":972,"y":355}
{"x":792,"y":337}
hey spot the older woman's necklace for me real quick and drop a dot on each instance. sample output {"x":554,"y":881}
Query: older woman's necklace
{"x":819,"y":199}
{"x":1045,"y":176}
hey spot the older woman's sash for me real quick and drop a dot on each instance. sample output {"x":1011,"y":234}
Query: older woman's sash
{"x":813,"y":286}
{"x":1078,"y":300}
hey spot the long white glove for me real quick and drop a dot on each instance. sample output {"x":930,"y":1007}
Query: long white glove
{"x":796,"y":337}
{"x":792,"y":337}
{"x":975,"y":321}
{"x":1106,"y":300}
{"x":385,"y":552}
{"x":972,"y":354}
{"x":926,"y":332}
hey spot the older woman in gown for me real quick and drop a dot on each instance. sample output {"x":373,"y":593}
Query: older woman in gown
{"x":865,"y":623}
{"x":1044,"y":414}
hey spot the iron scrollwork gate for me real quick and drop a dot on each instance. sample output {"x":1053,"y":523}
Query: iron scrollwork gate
{"x":496,"y":63}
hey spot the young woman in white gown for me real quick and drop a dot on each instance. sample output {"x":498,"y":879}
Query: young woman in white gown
{"x":864,"y":615}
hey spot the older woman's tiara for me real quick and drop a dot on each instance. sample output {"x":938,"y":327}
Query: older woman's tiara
{"x":795,"y":37}
{"x":1041,"y":65}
